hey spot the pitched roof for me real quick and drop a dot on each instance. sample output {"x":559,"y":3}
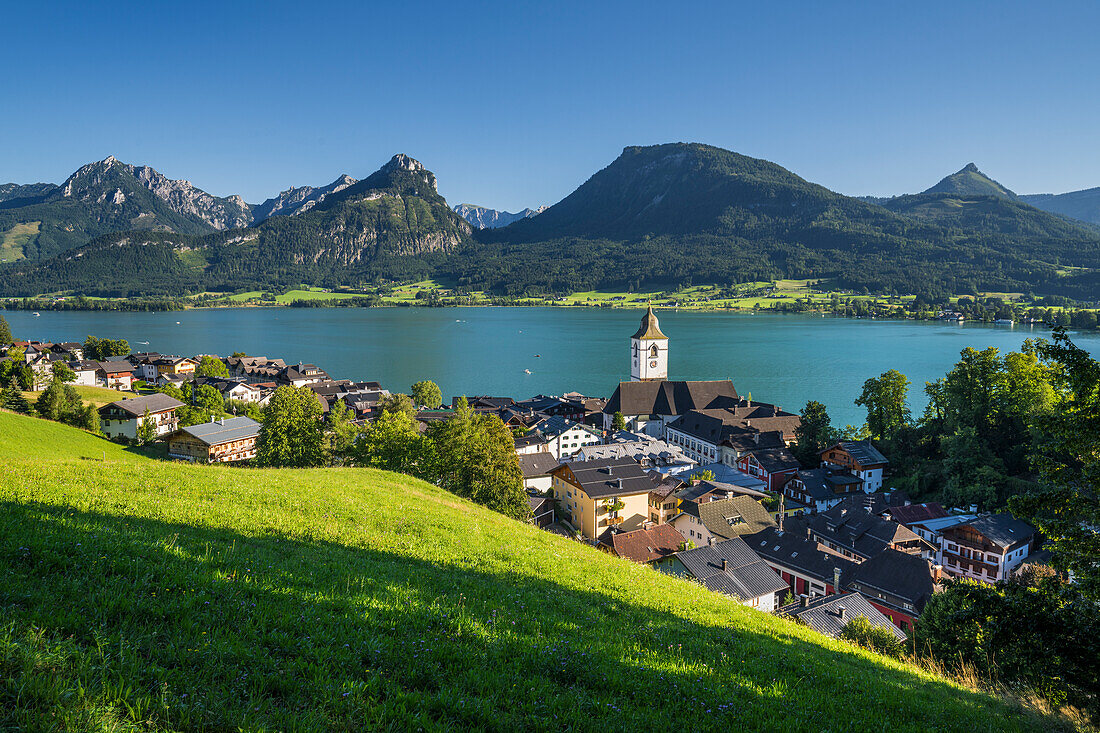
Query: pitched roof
{"x":797,"y":552}
{"x":914,"y":513}
{"x":733,"y":517}
{"x":823,"y":483}
{"x":643,"y":545}
{"x":524,"y":441}
{"x":863,"y":533}
{"x":156,"y":402}
{"x":1002,"y":529}
{"x":823,"y":614}
{"x":650,"y":328}
{"x":657,"y":452}
{"x":716,"y":425}
{"x":670,"y":398}
{"x":537,"y":464}
{"x":224,"y":431}
{"x":864,"y":453}
{"x":732,"y":567}
{"x":894,"y":573}
{"x":775,"y":459}
{"x":115,"y":367}
{"x":612,"y":477}
{"x":540,"y":504}
{"x":722,"y":489}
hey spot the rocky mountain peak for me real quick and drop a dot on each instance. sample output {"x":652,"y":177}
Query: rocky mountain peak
{"x":405,"y":163}
{"x":970,"y":168}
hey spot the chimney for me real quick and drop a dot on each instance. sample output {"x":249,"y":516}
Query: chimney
{"x":842,"y":611}
{"x":725,"y":564}
{"x":756,"y":438}
{"x":937,"y":573}
{"x":804,"y":600}
{"x":710,"y":541}
{"x":836,"y":580}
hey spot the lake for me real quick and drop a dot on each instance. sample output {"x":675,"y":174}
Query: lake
{"x":784,"y":359}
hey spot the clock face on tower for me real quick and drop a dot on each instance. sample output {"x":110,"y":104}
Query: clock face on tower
{"x":653,"y":363}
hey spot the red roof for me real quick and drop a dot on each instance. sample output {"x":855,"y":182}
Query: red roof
{"x":917,"y":512}
{"x":644,"y":545}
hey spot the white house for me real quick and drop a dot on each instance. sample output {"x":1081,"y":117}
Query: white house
{"x":122,"y":418}
{"x":565,"y":437}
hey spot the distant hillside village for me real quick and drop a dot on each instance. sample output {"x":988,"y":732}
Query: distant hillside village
{"x":690,"y":478}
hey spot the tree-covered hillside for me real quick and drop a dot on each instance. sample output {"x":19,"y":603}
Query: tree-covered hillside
{"x":659,"y":216}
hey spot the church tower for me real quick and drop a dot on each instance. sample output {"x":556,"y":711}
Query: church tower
{"x":648,"y":351}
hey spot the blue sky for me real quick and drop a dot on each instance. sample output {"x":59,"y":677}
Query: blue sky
{"x":515,"y":104}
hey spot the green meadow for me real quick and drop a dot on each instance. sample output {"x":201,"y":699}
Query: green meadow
{"x":143,"y":595}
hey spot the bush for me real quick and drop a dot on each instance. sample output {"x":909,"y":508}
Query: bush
{"x":862,"y":632}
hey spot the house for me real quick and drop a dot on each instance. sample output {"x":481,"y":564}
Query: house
{"x":662,"y":500}
{"x":542,"y":510}
{"x":911,"y":514}
{"x":175,"y":365}
{"x":536,"y":468}
{"x":729,"y":567}
{"x":85,"y":371}
{"x":484,"y":403}
{"x":233,"y":389}
{"x":896,"y":583}
{"x":551,"y":406}
{"x":643,"y":546}
{"x":651,"y":454}
{"x":987,"y":548}
{"x":702,"y":491}
{"x":565,"y":437}
{"x":255,"y":369}
{"x":219,"y":441}
{"x":717,"y":521}
{"x":860,"y":535}
{"x":115,"y":375}
{"x":532,"y":443}
{"x":860,"y":458}
{"x":800,"y":562}
{"x":700,"y":432}
{"x":71,"y":350}
{"x":773,"y":465}
{"x":122,"y":418}
{"x":595,"y":495}
{"x":821,"y":488}
{"x":931,"y":530}
{"x":829,"y":615}
{"x":299,"y":375}
{"x":742,"y":440}
{"x":173,"y":380}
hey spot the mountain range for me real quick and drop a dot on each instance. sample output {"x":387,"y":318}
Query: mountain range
{"x":483,"y":218}
{"x":657,"y":215}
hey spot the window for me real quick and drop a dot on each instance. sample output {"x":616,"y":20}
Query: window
{"x":653,"y":350}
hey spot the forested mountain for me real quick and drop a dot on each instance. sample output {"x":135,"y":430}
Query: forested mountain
{"x":298,"y":200}
{"x":111,"y":196}
{"x":971,"y":182}
{"x":657,"y":216}
{"x":392,"y":224}
{"x":1083,"y":205}
{"x":483,"y":218}
{"x":10,"y":191}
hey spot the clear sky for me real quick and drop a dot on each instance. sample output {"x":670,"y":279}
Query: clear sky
{"x":515,"y":104}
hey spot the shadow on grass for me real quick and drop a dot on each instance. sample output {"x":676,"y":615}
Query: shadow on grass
{"x":206,"y":629}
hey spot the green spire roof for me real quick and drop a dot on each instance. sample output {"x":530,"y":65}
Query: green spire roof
{"x":650,"y":328}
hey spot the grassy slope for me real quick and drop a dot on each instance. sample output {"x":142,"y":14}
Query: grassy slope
{"x":97,"y":396}
{"x":138,"y":594}
{"x":12,"y":240}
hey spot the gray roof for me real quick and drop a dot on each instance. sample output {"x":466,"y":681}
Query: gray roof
{"x":863,"y":533}
{"x":745,"y":575}
{"x":670,"y":398}
{"x":775,"y":460}
{"x":610,"y":477}
{"x":537,"y":464}
{"x":1003,"y":529}
{"x":862,"y":451}
{"x":156,"y":402}
{"x":226,"y":431}
{"x":822,"y":483}
{"x":894,"y":573}
{"x":733,"y":517}
{"x":823,"y":614}
{"x":797,"y":552}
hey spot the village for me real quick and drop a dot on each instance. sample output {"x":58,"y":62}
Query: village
{"x":689,"y":478}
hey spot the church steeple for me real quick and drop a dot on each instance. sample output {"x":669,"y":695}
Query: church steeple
{"x":648,"y":351}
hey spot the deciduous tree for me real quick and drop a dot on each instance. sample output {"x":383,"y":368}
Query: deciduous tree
{"x":426,"y":393}
{"x":814,"y":434}
{"x":292,"y":433}
{"x":885,"y":398}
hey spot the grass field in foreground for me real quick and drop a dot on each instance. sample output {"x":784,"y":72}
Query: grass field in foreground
{"x":141,"y":595}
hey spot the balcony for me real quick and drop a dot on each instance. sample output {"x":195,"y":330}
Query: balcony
{"x":612,"y":521}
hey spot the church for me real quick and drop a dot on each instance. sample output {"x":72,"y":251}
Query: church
{"x":649,"y":401}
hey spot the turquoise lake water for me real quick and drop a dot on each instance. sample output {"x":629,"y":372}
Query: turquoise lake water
{"x":785,"y":359}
